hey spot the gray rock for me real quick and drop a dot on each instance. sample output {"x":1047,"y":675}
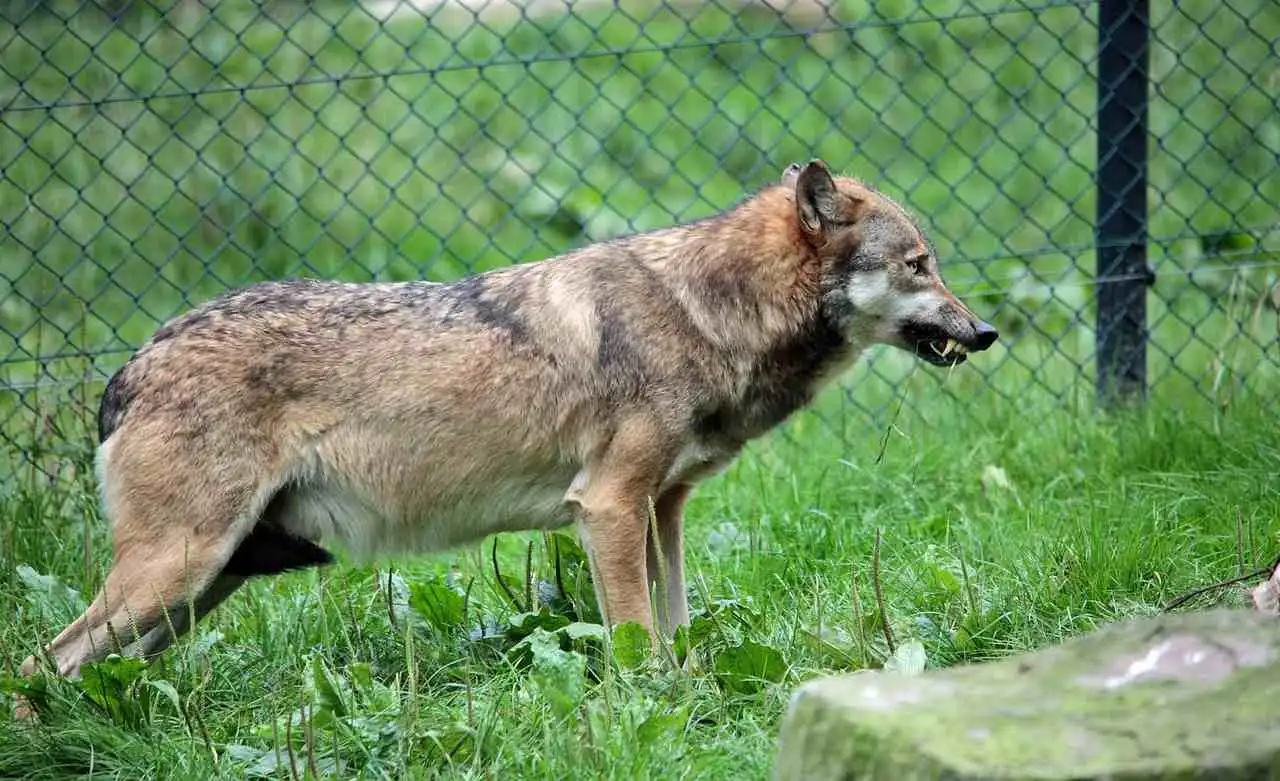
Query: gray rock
{"x":1186,"y":696}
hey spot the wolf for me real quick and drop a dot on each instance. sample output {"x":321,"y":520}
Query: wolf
{"x":596,"y":389}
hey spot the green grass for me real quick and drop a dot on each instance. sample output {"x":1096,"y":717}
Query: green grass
{"x":1104,"y":517}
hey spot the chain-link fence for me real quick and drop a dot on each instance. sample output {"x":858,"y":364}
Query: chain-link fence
{"x":1061,"y":153}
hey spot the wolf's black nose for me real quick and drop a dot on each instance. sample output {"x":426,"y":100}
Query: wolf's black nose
{"x":987,"y":336}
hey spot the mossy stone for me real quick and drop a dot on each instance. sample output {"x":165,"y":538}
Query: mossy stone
{"x":1180,"y":696}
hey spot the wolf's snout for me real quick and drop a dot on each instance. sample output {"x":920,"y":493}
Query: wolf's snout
{"x":987,"y":335}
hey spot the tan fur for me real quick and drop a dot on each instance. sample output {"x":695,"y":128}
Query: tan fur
{"x":416,"y":417}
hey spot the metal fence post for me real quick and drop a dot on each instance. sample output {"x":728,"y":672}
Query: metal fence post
{"x":1121,"y":227}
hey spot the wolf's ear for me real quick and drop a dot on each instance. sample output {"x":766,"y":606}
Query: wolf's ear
{"x":790,"y":174}
{"x":816,"y":198}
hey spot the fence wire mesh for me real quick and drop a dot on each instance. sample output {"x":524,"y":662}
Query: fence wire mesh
{"x":154,"y":154}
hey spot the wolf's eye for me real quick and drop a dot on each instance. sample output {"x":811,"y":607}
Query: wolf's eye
{"x":919,"y":265}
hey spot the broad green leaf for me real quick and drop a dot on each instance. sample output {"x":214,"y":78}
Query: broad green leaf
{"x":558,"y":675}
{"x":570,"y":551}
{"x":120,"y":670}
{"x":745,"y":667}
{"x":106,"y":683}
{"x":944,"y":579}
{"x":361,"y":677}
{"x":680,"y":644}
{"x":581,"y":630}
{"x":451,"y":744}
{"x":326,"y":689}
{"x":266,"y":765}
{"x":439,"y":605}
{"x":49,"y":592}
{"x":522,"y":625}
{"x":700,"y":631}
{"x":544,"y":647}
{"x":632,"y":645}
{"x":167,"y":689}
{"x":661,"y":728}
{"x":908,"y":659}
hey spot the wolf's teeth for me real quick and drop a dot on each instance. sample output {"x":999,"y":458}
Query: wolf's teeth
{"x":961,"y":349}
{"x":951,"y":345}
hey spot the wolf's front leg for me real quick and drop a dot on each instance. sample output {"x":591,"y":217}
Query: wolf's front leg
{"x":614,"y":535}
{"x":611,"y":501}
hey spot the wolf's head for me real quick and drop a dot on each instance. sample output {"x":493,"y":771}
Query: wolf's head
{"x":880,"y":272}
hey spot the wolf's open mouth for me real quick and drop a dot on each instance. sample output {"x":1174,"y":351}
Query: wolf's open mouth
{"x":943,"y":352}
{"x":937,"y":349}
{"x":945,"y":347}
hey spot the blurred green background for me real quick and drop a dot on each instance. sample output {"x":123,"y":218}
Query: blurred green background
{"x":152,"y":156}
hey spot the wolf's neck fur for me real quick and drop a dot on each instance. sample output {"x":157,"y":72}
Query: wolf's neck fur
{"x":748,"y":278}
{"x":752,"y":285}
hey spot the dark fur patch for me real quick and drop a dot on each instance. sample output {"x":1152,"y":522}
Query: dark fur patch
{"x":723,"y":288}
{"x":617,"y":350}
{"x":115,"y":403}
{"x":496,"y":309}
{"x":274,"y":376}
{"x":782,"y":382}
{"x":167,"y":330}
{"x":614,"y":351}
{"x":269,"y":551}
